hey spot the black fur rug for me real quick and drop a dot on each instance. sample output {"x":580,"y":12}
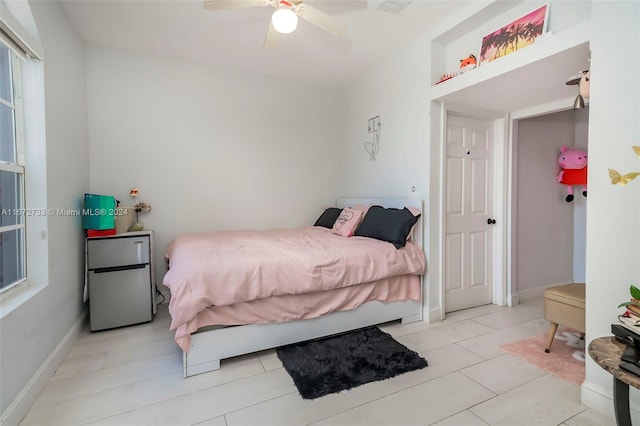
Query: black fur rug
{"x":336,"y":363}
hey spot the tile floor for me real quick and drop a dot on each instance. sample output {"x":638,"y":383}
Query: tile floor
{"x":133,"y":376}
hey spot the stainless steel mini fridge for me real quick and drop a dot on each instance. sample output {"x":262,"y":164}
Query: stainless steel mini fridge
{"x":119,"y":278}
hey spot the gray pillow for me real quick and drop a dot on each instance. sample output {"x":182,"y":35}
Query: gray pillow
{"x":387,"y":224}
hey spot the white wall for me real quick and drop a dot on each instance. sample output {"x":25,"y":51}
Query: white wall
{"x":209,"y":149}
{"x":544,"y":234}
{"x":396,"y":90}
{"x":30,"y":333}
{"x":613,"y":216}
{"x":581,"y":139}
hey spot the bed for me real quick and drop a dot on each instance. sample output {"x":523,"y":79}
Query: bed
{"x":223,"y":306}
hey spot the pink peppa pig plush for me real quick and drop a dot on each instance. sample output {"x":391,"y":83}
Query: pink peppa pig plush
{"x":573,"y":162}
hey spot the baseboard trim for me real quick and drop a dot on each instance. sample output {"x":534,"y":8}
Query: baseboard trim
{"x":20,"y":406}
{"x":536,"y":293}
{"x":598,"y":399}
{"x":513,"y":300}
{"x":434,"y":315}
{"x":601,"y":400}
{"x":525,"y":296}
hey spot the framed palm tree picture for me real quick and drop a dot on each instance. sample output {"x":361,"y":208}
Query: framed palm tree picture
{"x":515,"y":35}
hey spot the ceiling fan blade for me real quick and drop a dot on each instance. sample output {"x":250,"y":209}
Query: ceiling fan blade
{"x":272,"y":40}
{"x":233,"y":4}
{"x":333,"y":7}
{"x":321,"y":19}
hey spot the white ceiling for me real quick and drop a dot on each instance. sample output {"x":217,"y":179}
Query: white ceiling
{"x":233,"y":38}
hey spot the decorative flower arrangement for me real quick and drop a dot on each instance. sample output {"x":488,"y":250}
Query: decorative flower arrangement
{"x":139,"y":206}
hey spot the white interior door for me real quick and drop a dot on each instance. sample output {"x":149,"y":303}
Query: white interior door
{"x":468,"y":239}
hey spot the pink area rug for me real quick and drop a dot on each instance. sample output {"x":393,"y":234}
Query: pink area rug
{"x":566,"y":359}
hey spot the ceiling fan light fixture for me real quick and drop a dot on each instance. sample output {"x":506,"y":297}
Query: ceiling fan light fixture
{"x":284,"y":19}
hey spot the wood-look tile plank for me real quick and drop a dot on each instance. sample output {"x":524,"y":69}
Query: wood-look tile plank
{"x":81,"y":365}
{"x":144,"y":351}
{"x":85,"y":384}
{"x":397,"y":329}
{"x":502,"y":373}
{"x":488,"y":345}
{"x":208,"y":403}
{"x":114,"y":401}
{"x":474,"y":312}
{"x":511,"y":317}
{"x":269,"y":360}
{"x":547,"y":400}
{"x":108,"y":340}
{"x":463,"y":418}
{"x":418,"y":405}
{"x":218,"y":421}
{"x":441,"y":336}
{"x":293,"y":410}
{"x":590,"y":417}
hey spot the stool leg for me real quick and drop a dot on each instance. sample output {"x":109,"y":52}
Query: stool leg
{"x":553,"y":327}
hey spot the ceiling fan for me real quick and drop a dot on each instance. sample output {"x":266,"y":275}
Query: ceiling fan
{"x":285,"y":18}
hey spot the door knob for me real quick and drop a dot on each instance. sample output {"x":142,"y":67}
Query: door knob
{"x":491,"y":221}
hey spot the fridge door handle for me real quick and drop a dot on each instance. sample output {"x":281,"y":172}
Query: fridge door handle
{"x":118,"y":268}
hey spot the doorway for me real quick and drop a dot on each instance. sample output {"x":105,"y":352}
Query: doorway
{"x":468,"y":212}
{"x":538,"y":239}
{"x":548,"y":233}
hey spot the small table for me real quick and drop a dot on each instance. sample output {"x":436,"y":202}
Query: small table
{"x":606,"y":352}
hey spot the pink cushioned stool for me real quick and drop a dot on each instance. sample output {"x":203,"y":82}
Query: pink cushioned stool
{"x":564,"y":305}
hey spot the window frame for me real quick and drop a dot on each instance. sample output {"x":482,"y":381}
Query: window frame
{"x":32,"y":129}
{"x":19,"y":166}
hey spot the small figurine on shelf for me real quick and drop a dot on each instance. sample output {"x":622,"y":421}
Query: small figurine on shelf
{"x":446,"y":76}
{"x":468,"y":63}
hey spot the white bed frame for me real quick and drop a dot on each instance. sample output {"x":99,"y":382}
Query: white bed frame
{"x":210,"y":346}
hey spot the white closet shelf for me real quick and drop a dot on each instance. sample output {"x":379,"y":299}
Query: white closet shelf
{"x":522,"y":78}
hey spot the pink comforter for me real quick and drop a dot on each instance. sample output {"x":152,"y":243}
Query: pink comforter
{"x":223,"y":268}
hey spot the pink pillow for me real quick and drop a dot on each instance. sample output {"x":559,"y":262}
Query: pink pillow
{"x":347,"y":222}
{"x":363,"y":207}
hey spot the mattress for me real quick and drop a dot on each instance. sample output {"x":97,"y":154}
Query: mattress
{"x":304,"y":306}
{"x":248,"y":277}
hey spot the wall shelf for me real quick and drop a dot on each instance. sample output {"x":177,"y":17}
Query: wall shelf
{"x":534,"y":75}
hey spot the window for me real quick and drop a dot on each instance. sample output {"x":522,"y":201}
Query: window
{"x":12,"y":208}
